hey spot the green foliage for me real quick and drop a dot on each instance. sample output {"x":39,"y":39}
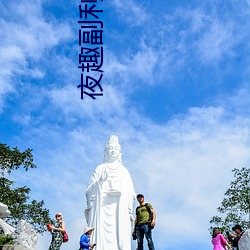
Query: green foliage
{"x":17,"y":199}
{"x":235,"y":206}
{"x":12,"y":159}
{"x":6,"y":240}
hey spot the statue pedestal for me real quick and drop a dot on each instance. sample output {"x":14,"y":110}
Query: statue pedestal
{"x":13,"y":247}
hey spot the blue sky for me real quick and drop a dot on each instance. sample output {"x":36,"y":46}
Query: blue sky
{"x":176,"y":91}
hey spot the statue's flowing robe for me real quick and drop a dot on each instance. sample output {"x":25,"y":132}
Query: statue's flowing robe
{"x":110,"y":197}
{"x":244,"y":242}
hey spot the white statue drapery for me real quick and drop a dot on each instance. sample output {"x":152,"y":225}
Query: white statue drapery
{"x":244,"y":242}
{"x":4,"y":212}
{"x":110,"y":197}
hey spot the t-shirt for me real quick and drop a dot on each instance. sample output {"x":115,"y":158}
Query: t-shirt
{"x":142,"y":214}
{"x":219,"y":242}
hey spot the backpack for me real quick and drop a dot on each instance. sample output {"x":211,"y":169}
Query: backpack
{"x":149,"y":212}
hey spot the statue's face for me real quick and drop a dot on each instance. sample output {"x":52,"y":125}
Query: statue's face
{"x":114,"y":150}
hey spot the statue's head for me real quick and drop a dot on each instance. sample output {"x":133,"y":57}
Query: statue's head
{"x":113,"y":150}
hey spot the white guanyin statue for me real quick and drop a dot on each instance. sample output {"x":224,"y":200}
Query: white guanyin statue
{"x":244,"y":242}
{"x":110,"y":198}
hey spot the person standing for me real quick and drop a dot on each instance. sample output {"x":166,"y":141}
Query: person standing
{"x":85,"y":239}
{"x":218,"y":240}
{"x":143,"y":225}
{"x":56,"y":231}
{"x":239,"y":231}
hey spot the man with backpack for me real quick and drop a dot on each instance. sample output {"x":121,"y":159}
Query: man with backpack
{"x":144,"y":223}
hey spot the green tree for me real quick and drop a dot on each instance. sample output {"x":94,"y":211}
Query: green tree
{"x":235,"y":207}
{"x":17,"y":199}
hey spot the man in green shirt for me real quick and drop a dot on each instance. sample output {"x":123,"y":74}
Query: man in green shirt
{"x":144,"y":223}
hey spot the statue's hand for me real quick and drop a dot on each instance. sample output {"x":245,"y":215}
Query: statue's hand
{"x":104,"y":176}
{"x":90,"y":201}
{"x":90,"y":204}
{"x":132,"y":217}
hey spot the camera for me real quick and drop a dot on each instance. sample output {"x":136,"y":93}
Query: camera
{"x":134,"y":235}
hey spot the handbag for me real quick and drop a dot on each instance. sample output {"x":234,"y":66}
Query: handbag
{"x":49,"y":227}
{"x":65,"y":236}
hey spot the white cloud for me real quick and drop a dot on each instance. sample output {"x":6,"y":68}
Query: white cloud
{"x":68,"y":100}
{"x":131,"y":12}
{"x":132,"y":71}
{"x":142,"y":64}
{"x":198,"y":33}
{"x":198,"y":19}
{"x":239,"y":102}
{"x":25,"y":37}
{"x":217,"y":42}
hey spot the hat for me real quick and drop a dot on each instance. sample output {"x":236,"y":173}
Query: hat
{"x":237,"y":227}
{"x":140,"y":195}
{"x":59,"y":213}
{"x":87,"y":229}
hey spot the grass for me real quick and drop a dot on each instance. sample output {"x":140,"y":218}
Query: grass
{"x":6,"y":240}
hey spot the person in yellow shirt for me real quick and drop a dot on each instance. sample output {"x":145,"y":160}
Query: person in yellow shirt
{"x":144,"y":223}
